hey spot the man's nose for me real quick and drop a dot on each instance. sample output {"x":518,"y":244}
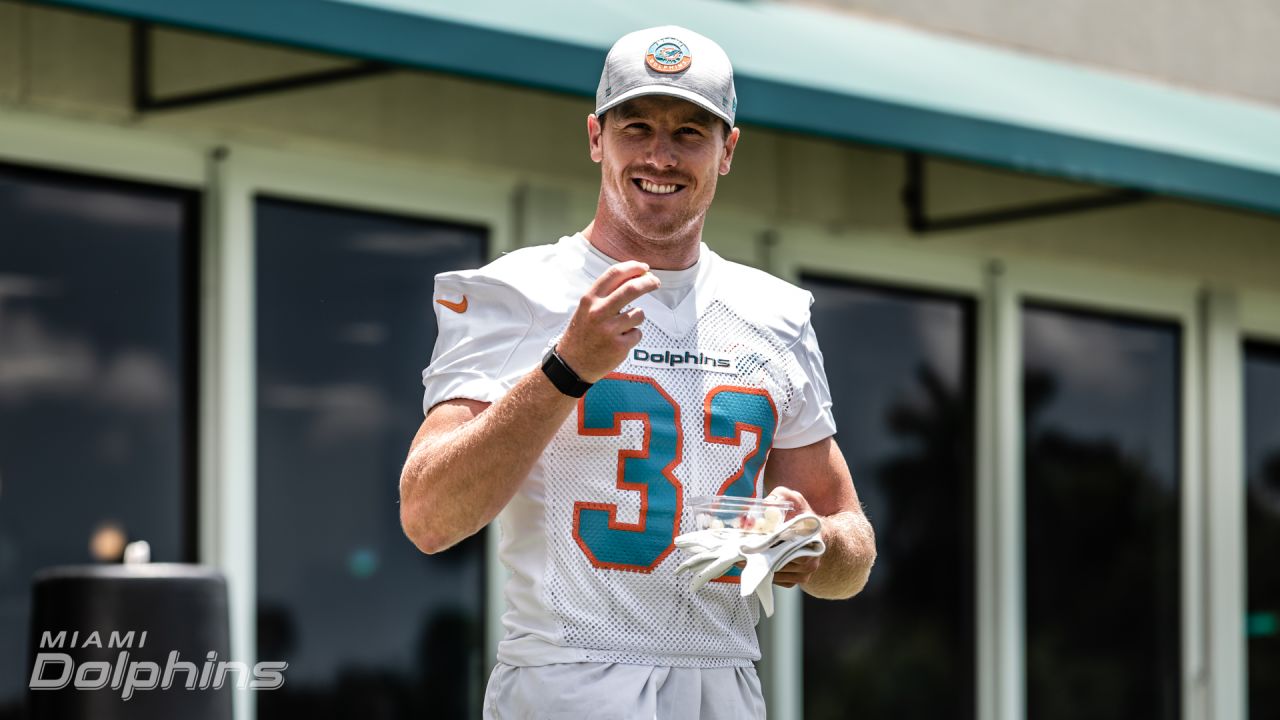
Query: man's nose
{"x":661,"y":152}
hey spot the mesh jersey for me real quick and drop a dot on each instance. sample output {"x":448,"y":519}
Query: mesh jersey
{"x":730,"y":372}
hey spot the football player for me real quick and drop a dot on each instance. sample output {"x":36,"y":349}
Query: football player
{"x":583,"y":391}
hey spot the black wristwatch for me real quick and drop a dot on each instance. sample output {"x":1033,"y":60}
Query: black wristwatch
{"x":563,"y":376}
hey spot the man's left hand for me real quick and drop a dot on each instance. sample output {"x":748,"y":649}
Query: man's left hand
{"x":796,"y":572}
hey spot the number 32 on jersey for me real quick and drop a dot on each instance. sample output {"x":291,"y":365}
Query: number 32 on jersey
{"x":651,"y":470}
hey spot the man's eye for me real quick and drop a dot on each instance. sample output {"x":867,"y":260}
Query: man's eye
{"x":689,"y":131}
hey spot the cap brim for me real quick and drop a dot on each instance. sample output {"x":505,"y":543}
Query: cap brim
{"x":671,"y":91}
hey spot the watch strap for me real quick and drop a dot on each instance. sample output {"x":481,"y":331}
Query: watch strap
{"x":563,"y":376}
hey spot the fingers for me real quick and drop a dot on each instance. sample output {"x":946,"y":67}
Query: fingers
{"x":788,"y":579}
{"x":785,"y":494}
{"x":797,"y":572}
{"x":802,"y":566}
{"x":616,"y":287}
{"x":604,"y":329}
{"x":628,"y":291}
{"x":630,"y":318}
{"x":615,"y":276}
{"x":629,"y":327}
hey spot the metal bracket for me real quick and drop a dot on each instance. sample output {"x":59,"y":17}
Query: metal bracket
{"x":913,"y":199}
{"x":145,"y":100}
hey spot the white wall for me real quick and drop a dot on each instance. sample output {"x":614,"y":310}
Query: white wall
{"x":1222,"y":46}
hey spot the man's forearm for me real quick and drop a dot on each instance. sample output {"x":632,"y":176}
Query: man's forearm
{"x":846,"y":565}
{"x":453,"y":484}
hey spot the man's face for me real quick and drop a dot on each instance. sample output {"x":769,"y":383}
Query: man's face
{"x":659,"y":160}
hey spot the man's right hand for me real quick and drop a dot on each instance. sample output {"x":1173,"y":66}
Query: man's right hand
{"x":600,"y":334}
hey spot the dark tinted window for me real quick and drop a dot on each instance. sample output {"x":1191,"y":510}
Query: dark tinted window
{"x":96,"y":328}
{"x":900,"y":366}
{"x":1262,"y":473}
{"x":371,"y":627}
{"x":1102,"y":511}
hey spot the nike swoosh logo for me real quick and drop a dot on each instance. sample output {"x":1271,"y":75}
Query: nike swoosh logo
{"x":458,"y":307}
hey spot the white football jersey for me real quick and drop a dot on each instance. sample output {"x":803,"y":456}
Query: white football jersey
{"x":732,"y":371}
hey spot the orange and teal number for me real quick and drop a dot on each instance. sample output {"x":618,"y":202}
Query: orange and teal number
{"x":729,"y":411}
{"x":651,"y":469}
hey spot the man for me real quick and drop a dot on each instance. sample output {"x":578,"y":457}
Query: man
{"x":584,"y":391}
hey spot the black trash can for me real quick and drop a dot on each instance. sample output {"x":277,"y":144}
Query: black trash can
{"x":106,"y":640}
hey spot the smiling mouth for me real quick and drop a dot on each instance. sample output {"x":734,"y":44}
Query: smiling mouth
{"x":655,"y":188}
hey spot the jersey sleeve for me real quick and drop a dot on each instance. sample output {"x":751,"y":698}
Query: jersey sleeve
{"x":811,"y":420}
{"x":480,"y":331}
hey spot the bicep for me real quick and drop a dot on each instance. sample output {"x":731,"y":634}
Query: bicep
{"x":819,"y":472}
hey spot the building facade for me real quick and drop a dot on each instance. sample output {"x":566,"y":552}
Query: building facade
{"x":1057,"y":394}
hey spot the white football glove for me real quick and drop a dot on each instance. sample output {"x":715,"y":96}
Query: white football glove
{"x":715,"y":551}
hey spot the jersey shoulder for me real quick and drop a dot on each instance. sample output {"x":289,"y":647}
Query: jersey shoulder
{"x":542,"y":278}
{"x":764,"y":299}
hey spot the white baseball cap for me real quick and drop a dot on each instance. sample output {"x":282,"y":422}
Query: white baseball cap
{"x":668,"y":60}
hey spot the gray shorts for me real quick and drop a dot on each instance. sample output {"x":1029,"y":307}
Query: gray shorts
{"x":613,"y":691}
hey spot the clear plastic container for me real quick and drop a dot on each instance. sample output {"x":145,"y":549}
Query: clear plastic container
{"x":746,"y":515}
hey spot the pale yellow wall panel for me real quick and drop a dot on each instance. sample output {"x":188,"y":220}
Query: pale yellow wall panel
{"x":834,"y":184}
{"x":282,"y":119}
{"x":467,"y":122}
{"x":79,"y":61}
{"x":871,"y":196}
{"x":1157,"y":237}
{"x":812,"y":180}
{"x":185,"y":62}
{"x":11,"y":51}
{"x":753,"y":178}
{"x":540,"y":132}
{"x":955,"y":187}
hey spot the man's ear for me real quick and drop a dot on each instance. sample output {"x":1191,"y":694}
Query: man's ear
{"x":594,"y":140}
{"x":730,"y":143}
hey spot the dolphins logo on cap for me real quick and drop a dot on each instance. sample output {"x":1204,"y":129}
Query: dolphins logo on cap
{"x":668,"y":55}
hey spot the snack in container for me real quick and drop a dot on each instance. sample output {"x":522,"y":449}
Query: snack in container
{"x":742,"y":514}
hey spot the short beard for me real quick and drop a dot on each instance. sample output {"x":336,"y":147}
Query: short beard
{"x":671,"y":233}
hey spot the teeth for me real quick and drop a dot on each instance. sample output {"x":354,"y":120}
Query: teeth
{"x":659,"y":189}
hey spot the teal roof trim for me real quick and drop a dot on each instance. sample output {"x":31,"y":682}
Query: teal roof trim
{"x":813,"y":72}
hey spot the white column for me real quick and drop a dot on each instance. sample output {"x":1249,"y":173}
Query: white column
{"x":1001,"y":630}
{"x":1224,"y":588}
{"x":784,"y":683}
{"x":227,"y":404}
{"x":782,"y":636}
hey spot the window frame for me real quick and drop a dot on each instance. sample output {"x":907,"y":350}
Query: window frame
{"x":238,"y":175}
{"x":797,"y":251}
{"x":1256,"y":317}
{"x":45,"y":145}
{"x":189,"y":282}
{"x":970,"y":350}
{"x":1145,"y":297}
